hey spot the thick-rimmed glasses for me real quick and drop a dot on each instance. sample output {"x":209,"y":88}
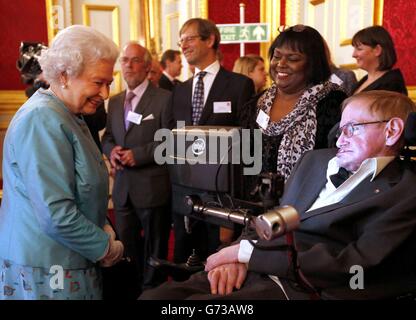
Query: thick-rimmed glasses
{"x":184,"y":40}
{"x":350,"y":129}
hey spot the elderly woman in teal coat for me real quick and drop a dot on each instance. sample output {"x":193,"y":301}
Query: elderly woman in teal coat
{"x":53,"y":229}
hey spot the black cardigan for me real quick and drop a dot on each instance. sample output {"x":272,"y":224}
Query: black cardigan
{"x":392,"y":80}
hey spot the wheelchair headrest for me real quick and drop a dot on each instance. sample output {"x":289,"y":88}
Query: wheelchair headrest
{"x":410,"y":130}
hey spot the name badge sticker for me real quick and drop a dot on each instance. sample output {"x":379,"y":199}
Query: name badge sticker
{"x":222,"y":107}
{"x":263,"y":119}
{"x":335,"y":79}
{"x":134,"y":117}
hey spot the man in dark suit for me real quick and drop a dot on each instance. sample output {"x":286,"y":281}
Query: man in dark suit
{"x":172,"y":65}
{"x":155,"y":72}
{"x":214,"y":96}
{"x":95,"y":123}
{"x":357,"y":235}
{"x":141,"y":191}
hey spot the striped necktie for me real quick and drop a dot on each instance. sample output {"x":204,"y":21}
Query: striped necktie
{"x":198,"y":98}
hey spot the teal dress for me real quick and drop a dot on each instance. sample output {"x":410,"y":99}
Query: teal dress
{"x":54,"y":205}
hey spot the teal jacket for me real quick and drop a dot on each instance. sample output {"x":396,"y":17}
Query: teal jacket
{"x":55,"y":188}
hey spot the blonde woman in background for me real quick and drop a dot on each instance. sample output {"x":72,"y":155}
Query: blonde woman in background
{"x":252,"y":66}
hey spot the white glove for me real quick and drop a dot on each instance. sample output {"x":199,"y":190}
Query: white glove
{"x":114,"y":254}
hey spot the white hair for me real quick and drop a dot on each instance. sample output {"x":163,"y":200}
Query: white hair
{"x":72,"y":49}
{"x":147,"y":57}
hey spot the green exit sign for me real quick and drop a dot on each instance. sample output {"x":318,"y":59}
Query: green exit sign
{"x":247,"y":32}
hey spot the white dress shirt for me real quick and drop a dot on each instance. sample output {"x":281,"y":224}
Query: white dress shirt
{"x":138,"y":91}
{"x":212,"y":71}
{"x":330,"y":194}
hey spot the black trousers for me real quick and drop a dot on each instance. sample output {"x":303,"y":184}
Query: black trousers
{"x":255,"y":287}
{"x":144,"y":233}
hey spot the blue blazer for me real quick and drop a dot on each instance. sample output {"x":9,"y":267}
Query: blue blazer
{"x":55,"y":188}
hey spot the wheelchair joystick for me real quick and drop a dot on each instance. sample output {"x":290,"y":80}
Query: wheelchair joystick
{"x":193,"y":260}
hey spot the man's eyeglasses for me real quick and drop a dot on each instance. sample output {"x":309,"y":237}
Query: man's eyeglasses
{"x":125,"y":60}
{"x":184,"y":40}
{"x":350,"y":129}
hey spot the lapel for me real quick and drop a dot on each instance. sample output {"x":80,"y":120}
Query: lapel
{"x":183,"y":102}
{"x":118,"y":117}
{"x":310,"y":188}
{"x":307,"y":179}
{"x":215,"y":94}
{"x":365,"y":190}
{"x":187,"y":100}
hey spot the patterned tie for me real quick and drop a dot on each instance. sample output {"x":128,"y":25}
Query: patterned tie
{"x":340,"y":177}
{"x":198,"y":98}
{"x":128,"y":107}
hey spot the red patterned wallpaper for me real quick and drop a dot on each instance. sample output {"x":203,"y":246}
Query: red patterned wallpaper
{"x":228,"y":11}
{"x":26,"y":20}
{"x":399,"y":19}
{"x":20,"y":20}
{"x":282,"y":12}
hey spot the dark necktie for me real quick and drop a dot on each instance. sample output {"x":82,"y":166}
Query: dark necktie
{"x":340,"y":177}
{"x":128,"y":107}
{"x":198,"y":98}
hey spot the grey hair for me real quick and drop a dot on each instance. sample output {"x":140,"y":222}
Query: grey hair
{"x":72,"y":49}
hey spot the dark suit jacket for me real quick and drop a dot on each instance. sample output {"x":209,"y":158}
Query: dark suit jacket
{"x":392,"y":80}
{"x":147,"y":183}
{"x":373,"y":227}
{"x":227,"y":86}
{"x":165,"y":83}
{"x":96,"y":122}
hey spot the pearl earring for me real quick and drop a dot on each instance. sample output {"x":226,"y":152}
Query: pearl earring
{"x":64,"y":86}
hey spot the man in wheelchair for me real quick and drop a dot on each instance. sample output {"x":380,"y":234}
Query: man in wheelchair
{"x":357,"y":234}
